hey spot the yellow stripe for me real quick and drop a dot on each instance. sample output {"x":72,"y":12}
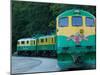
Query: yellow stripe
{"x":49,"y":41}
{"x":84,"y":21}
{"x":71,"y":30}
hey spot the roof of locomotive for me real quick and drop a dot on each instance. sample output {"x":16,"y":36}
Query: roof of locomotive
{"x":26,"y":39}
{"x":75,"y":12}
{"x":46,"y":36}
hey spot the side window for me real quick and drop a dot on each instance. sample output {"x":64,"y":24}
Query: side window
{"x":63,"y":22}
{"x":89,"y":22}
{"x":42,"y":40}
{"x":52,"y":40}
{"x":77,"y":21}
{"x":22,"y":42}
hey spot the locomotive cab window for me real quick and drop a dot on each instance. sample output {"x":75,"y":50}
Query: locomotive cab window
{"x":77,"y":21}
{"x":89,"y":22}
{"x":63,"y":22}
{"x":42,"y":40}
{"x":27,"y":42}
{"x":22,"y":42}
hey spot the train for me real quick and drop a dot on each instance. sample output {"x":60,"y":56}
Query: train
{"x":76,"y":39}
{"x":73,"y":44}
{"x":41,"y":46}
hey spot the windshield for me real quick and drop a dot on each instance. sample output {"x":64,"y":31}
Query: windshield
{"x":77,"y":21}
{"x":89,"y":22}
{"x":63,"y":22}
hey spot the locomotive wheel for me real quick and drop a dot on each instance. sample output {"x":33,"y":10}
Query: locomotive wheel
{"x":29,"y":53}
{"x":48,"y":53}
{"x":43,"y":54}
{"x":40,"y":53}
{"x":51,"y":54}
{"x":24,"y":53}
{"x":19,"y":53}
{"x":33,"y":53}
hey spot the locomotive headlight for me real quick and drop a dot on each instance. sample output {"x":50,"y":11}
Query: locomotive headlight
{"x":81,"y":31}
{"x":82,"y":36}
{"x":77,"y":11}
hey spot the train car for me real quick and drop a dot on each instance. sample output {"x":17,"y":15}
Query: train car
{"x":26,"y":46}
{"x":76,"y":39}
{"x":46,"y":46}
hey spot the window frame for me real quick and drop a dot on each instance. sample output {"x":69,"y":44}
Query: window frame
{"x":81,"y":22}
{"x":86,"y":22}
{"x":67,"y":20}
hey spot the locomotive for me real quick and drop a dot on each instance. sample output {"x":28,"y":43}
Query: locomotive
{"x":76,"y":39}
{"x":74,"y":43}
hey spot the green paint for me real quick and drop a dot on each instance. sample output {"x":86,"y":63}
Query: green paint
{"x":73,"y":13}
{"x":62,"y":43}
{"x":46,"y":47}
{"x":90,"y":58}
{"x":26,"y":48}
{"x":91,"y":41}
{"x":65,"y":60}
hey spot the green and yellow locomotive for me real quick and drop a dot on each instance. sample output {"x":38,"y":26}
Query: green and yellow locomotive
{"x":38,"y":46}
{"x":76,"y":39}
{"x":74,"y":42}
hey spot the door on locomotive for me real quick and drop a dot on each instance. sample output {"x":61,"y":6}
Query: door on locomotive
{"x":76,"y":39}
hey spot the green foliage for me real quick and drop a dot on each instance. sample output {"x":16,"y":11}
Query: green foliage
{"x":30,"y":18}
